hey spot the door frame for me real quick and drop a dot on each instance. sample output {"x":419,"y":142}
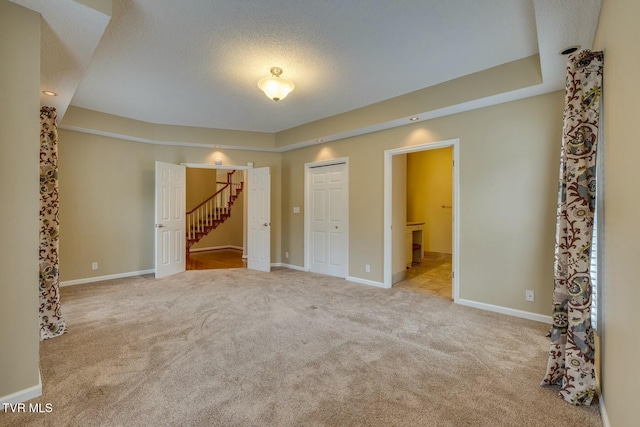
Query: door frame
{"x":307,"y":213}
{"x":388,"y":232}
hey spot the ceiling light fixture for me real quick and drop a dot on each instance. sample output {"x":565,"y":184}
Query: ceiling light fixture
{"x":49,"y":93}
{"x":413,"y":119}
{"x":276,"y":87}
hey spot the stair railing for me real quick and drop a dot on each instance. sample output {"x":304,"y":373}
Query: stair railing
{"x":215,"y":209}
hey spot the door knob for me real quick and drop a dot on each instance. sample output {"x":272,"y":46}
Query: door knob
{"x":159,"y":225}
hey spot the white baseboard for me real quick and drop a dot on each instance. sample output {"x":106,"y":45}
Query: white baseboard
{"x":603,"y":410}
{"x":107,"y":277}
{"x":290,"y":266}
{"x":505,"y":310}
{"x":215,"y":248}
{"x":365,"y":282}
{"x":23,"y":395}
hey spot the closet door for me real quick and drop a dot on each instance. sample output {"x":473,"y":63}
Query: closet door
{"x":329,"y":219}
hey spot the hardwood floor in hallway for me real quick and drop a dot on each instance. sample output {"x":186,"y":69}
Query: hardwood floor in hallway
{"x":431,"y":276}
{"x":216,"y":259}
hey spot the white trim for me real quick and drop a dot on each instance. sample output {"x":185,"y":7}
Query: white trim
{"x":216,"y":248}
{"x":210,"y":166}
{"x":505,"y":310}
{"x":388,"y":175}
{"x":23,"y":395}
{"x":603,"y":411}
{"x":514,"y":95}
{"x":307,"y":211}
{"x":290,"y":266}
{"x":365,"y":282}
{"x":107,"y":277}
{"x":156,"y":142}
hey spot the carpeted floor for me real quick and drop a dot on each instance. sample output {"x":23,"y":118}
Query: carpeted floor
{"x":287,"y":348}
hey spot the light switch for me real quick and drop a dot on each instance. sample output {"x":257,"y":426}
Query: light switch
{"x":296,"y":209}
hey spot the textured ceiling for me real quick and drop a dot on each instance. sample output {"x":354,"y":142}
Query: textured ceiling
{"x":197,"y":62}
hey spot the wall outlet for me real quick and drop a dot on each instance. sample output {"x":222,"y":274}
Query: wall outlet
{"x":286,"y":255}
{"x":529,"y":295}
{"x":94,"y":265}
{"x":296,"y":209}
{"x":367,"y":268}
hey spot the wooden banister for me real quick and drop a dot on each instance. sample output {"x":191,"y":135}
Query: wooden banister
{"x":214,"y":210}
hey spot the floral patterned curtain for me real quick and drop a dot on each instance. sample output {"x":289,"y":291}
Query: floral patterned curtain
{"x":571,"y":356}
{"x":51,"y":322}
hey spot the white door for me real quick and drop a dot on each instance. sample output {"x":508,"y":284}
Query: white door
{"x":259,"y":227}
{"x":170,"y":219}
{"x":329,"y":213}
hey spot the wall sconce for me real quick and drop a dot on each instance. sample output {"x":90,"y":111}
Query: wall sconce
{"x":218,"y":161}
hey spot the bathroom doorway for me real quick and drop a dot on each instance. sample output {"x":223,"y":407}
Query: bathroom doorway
{"x":436,"y":259}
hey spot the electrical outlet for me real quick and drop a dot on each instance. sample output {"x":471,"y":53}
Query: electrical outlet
{"x":367,"y":268}
{"x":529,"y":295}
{"x":286,"y":255}
{"x":94,"y":265}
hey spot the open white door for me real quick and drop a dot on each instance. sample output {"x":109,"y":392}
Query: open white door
{"x":170,"y":219}
{"x":259,"y":227}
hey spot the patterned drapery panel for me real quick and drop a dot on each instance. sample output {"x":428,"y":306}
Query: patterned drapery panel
{"x":571,"y":356}
{"x":51,"y":322}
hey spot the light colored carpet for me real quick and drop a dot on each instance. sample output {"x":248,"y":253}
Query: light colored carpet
{"x":244,"y":348}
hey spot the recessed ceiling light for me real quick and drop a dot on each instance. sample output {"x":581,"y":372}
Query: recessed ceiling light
{"x":569,"y":50}
{"x":319,"y":140}
{"x":49,"y":93}
{"x":413,"y":119}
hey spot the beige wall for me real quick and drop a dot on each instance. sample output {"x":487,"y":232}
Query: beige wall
{"x":107,"y":124}
{"x":201,"y":184}
{"x":507,"y":77}
{"x":19,"y":174}
{"x":618,"y":35}
{"x":107,"y":200}
{"x":429,"y":187}
{"x":508,"y":171}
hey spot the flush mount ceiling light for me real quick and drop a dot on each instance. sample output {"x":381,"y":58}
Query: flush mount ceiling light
{"x":49,"y":93}
{"x":276,"y":87}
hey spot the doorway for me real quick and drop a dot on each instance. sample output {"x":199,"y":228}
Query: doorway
{"x":256,"y":244}
{"x":395,"y":227}
{"x":327,"y":217}
{"x":222,"y":244}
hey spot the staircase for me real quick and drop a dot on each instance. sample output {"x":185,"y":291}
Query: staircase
{"x":208,"y":215}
